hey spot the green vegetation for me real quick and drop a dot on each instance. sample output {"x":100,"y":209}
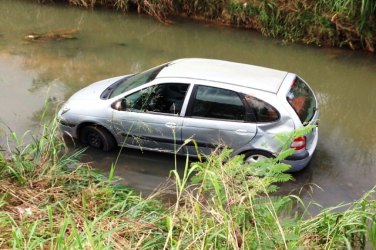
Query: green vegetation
{"x":50,"y":200}
{"x":338,"y":23}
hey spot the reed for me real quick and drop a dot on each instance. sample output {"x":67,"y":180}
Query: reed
{"x":339,"y":23}
{"x":48,"y":199}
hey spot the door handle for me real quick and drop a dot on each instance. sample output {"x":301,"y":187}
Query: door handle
{"x":171,"y":125}
{"x":241,"y":131}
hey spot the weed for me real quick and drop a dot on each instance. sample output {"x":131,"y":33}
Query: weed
{"x":342,"y":23}
{"x":221,"y":203}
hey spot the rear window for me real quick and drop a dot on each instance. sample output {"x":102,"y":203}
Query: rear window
{"x":302,"y":100}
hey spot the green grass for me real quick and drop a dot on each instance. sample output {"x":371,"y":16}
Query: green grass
{"x":339,"y":23}
{"x":49,"y":200}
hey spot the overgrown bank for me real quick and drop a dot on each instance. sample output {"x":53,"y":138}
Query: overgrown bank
{"x":336,"y":23}
{"x":49,"y":200}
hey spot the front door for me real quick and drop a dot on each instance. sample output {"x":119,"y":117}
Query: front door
{"x":150,"y":118}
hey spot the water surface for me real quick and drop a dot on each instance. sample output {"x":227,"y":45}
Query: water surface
{"x":110,"y":44}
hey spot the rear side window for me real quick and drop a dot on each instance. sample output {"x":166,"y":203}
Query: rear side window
{"x":302,"y":100}
{"x":263,"y":111}
{"x":218,"y":103}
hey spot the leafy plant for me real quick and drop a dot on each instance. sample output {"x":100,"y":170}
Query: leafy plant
{"x":342,"y":23}
{"x":221,"y":203}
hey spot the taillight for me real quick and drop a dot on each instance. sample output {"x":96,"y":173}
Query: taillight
{"x":299,"y":143}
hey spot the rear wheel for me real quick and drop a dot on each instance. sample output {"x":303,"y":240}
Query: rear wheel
{"x":97,"y":137}
{"x":256,"y":155}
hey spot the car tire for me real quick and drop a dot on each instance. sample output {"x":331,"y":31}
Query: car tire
{"x":256,"y":155}
{"x":97,"y":137}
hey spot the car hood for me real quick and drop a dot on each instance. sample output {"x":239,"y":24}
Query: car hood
{"x":93,"y":91}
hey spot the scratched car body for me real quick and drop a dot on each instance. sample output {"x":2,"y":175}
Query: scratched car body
{"x":212,"y":102}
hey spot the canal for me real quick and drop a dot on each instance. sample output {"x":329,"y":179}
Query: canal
{"x":110,"y":44}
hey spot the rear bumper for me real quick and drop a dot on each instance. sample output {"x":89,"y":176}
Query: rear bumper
{"x":297,"y":165}
{"x":300,"y":160}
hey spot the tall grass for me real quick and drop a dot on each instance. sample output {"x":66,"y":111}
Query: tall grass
{"x":50,"y":200}
{"x":229,"y":206}
{"x":340,"y":23}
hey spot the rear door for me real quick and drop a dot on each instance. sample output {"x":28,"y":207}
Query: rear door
{"x":216,"y":117}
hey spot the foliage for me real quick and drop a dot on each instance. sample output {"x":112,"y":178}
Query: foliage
{"x":229,"y":206}
{"x":204,"y":8}
{"x":50,"y":200}
{"x":341,"y":23}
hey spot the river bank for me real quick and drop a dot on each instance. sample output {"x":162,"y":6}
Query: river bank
{"x":345,"y":24}
{"x":50,"y":200}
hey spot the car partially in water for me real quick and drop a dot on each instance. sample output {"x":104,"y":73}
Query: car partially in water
{"x":212,"y":102}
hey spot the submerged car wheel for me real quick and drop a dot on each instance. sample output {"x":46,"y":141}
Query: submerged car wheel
{"x":256,"y":155}
{"x":97,"y":137}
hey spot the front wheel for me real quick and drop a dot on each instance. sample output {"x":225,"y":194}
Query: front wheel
{"x":254,"y":156}
{"x":97,"y":137}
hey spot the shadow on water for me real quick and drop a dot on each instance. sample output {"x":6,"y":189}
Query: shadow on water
{"x":145,"y":171}
{"x":149,"y":172}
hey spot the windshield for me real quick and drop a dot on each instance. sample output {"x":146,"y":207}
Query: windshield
{"x":136,"y":80}
{"x":302,"y":100}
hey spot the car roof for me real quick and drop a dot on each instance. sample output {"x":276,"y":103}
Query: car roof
{"x":232,"y":73}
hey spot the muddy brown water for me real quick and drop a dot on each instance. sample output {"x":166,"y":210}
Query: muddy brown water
{"x":110,"y":44}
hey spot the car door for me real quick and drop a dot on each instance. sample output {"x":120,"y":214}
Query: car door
{"x":150,"y":118}
{"x":216,"y":117}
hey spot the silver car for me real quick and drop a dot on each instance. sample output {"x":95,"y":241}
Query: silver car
{"x":210,"y":102}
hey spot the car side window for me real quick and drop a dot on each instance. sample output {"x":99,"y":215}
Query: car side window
{"x":264,"y":111}
{"x":218,"y":103}
{"x":163,"y":98}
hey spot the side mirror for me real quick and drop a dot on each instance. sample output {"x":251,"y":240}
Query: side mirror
{"x":119,"y":105}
